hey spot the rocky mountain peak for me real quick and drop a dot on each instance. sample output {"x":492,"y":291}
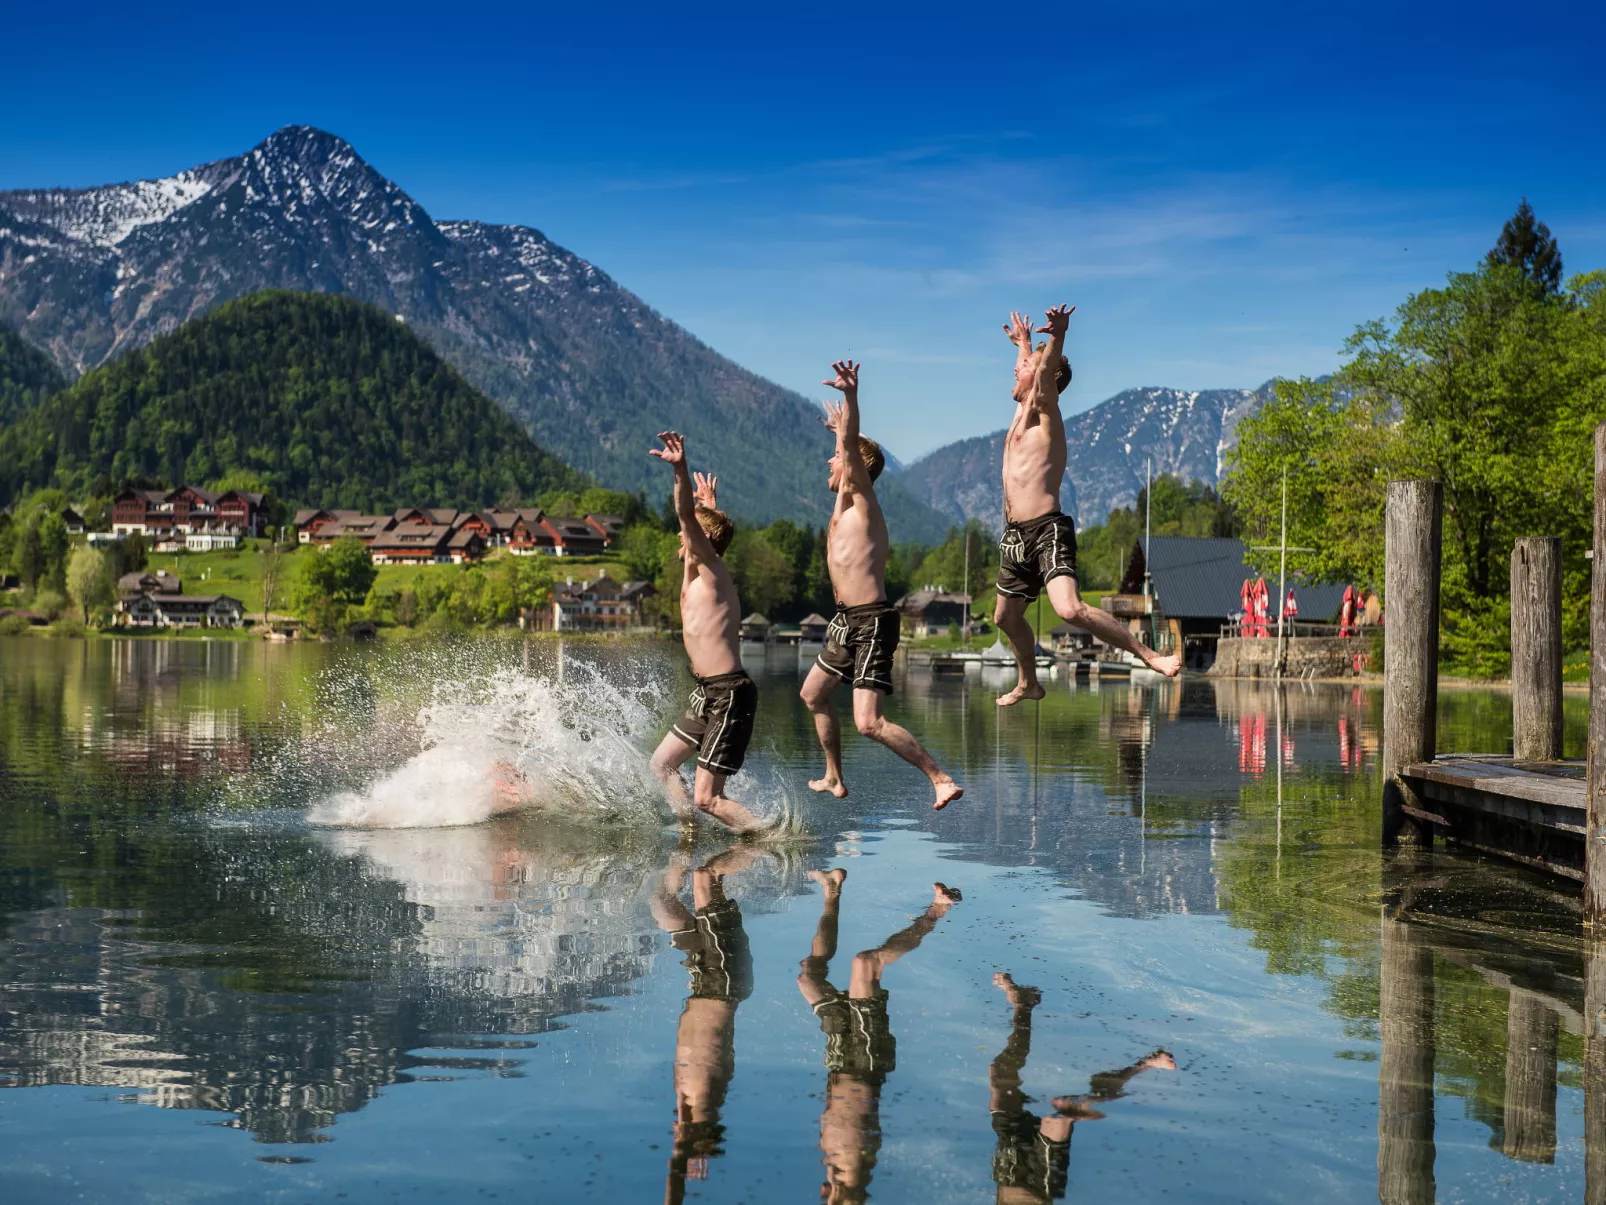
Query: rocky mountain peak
{"x":588,"y":367}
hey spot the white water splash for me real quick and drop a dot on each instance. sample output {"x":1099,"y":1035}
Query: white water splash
{"x":577,"y":740}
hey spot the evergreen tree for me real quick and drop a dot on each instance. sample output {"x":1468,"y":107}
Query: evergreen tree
{"x":1525,"y":243}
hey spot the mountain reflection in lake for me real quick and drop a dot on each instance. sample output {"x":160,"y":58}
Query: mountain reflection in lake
{"x":534,"y":1005}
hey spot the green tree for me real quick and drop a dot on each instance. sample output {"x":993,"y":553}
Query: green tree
{"x":53,"y":551}
{"x":1525,"y":243}
{"x":1487,"y":385}
{"x":27,"y":554}
{"x":132,"y":553}
{"x":337,"y":577}
{"x":763,"y":576}
{"x":945,"y":566}
{"x":1335,"y":449}
{"x":529,"y":583}
{"x":646,"y":550}
{"x":90,"y":580}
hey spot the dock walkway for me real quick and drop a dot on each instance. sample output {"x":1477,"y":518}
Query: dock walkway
{"x":1532,"y":812}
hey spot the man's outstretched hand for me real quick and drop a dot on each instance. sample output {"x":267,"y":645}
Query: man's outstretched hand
{"x":847,"y":376}
{"x":704,"y":488}
{"x":1059,"y":320}
{"x":834,"y":414}
{"x":674,"y":449}
{"x":1019,"y":330}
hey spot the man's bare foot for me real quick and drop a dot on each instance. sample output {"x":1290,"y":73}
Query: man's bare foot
{"x":1170,"y":665}
{"x":947,"y":791}
{"x":831,"y":880}
{"x":1160,"y":1060}
{"x":944,"y":897}
{"x":1019,"y":996}
{"x":1076,"y":1108}
{"x":828,"y":783}
{"x":1026,"y":690}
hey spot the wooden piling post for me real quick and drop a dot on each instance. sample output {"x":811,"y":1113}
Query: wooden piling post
{"x":1536,"y":649}
{"x":1530,"y":1104}
{"x":1412,"y":549}
{"x":1405,"y":1147}
{"x":1595,"y":827}
{"x":1595,"y":1072}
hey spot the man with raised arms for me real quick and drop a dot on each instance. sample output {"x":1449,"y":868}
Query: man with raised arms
{"x":863,"y":636}
{"x":719,"y":716}
{"x":1038,"y":548}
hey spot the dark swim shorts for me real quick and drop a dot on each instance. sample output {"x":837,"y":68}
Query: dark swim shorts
{"x":1026,"y":1158}
{"x":858,"y":1035}
{"x":1034,"y":552}
{"x":718,"y":955}
{"x":719,"y":721}
{"x":859,"y":646}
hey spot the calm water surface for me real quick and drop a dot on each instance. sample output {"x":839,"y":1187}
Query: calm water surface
{"x":205,"y":996}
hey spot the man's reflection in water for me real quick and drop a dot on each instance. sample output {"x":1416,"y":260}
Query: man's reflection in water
{"x":859,"y":1047}
{"x":1033,"y":1157}
{"x":721,"y":966}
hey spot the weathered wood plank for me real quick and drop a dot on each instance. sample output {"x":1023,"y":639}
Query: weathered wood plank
{"x":1504,"y":783}
{"x":1594,"y":848}
{"x":1536,"y":648}
{"x":1413,"y":521}
{"x":1539,"y":813}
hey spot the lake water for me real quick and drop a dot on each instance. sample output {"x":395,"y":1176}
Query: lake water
{"x":205,"y":996}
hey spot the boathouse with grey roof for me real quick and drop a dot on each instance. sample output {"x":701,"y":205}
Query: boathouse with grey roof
{"x":1195,"y":591}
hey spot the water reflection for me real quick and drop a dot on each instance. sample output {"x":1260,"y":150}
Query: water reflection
{"x":1032,"y":1163}
{"x":860,"y":1051}
{"x":719,"y":961}
{"x":175,"y":932}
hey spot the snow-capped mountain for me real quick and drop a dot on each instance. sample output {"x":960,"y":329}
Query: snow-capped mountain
{"x":591,"y":369}
{"x":1187,"y":432}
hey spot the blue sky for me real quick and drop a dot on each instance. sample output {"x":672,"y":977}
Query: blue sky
{"x":1224,"y":192}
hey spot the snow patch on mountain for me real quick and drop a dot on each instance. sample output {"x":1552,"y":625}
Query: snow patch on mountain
{"x":104,"y":217}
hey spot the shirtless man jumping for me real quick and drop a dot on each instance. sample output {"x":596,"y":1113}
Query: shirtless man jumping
{"x":1038,"y":549}
{"x":862,"y":638}
{"x":719,"y":716}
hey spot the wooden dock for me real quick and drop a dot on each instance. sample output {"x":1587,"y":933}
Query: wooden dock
{"x":1533,"y":812}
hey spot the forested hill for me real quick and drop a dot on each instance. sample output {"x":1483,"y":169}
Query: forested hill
{"x":328,"y":400}
{"x":27,"y":375}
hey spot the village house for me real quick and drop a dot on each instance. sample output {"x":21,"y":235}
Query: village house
{"x":521,"y":531}
{"x":755,"y":628}
{"x":168,"y":515}
{"x":602,"y":605}
{"x":157,"y":600}
{"x":931,"y":612}
{"x":525,"y":531}
{"x":412,"y":543}
{"x":356,"y":526}
{"x":574,"y":537}
{"x":309,"y":522}
{"x":210,"y":541}
{"x":608,"y":526}
{"x":160,"y":582}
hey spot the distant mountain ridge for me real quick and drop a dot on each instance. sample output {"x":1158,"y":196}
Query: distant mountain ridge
{"x":1187,"y":432}
{"x":590,"y":369}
